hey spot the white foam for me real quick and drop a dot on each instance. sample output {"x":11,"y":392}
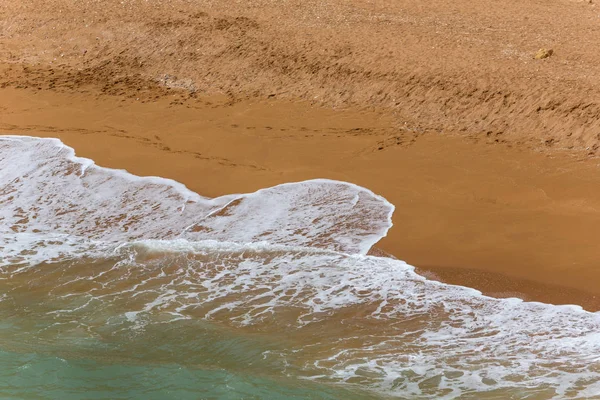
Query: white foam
{"x":287,"y":260}
{"x":46,"y":190}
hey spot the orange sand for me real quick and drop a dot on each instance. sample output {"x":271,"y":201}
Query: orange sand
{"x":503,"y":220}
{"x":440,"y":106}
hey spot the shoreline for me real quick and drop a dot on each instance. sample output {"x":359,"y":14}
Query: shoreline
{"x":456,"y":143}
{"x":457,"y":219}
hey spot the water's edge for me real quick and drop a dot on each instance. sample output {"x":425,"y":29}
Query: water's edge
{"x":103,"y":266}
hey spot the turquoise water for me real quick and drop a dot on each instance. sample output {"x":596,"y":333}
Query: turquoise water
{"x":35,"y":376}
{"x":214,"y":364}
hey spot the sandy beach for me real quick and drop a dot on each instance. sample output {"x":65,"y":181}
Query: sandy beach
{"x":489,"y":155}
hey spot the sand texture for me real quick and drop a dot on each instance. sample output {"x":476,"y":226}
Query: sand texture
{"x":463,"y":66}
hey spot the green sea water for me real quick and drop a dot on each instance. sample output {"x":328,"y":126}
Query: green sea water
{"x":215,"y":365}
{"x":39,"y":376}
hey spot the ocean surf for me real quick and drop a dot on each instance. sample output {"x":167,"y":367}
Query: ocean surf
{"x":119,"y":286}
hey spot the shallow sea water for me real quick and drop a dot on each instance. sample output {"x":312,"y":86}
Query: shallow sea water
{"x":116,"y":286}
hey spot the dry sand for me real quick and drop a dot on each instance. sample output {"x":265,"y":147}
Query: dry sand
{"x":488,"y":154}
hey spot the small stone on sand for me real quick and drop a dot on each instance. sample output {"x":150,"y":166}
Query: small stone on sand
{"x":543,"y":53}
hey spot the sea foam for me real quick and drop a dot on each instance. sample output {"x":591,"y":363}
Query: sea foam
{"x":110,"y":250}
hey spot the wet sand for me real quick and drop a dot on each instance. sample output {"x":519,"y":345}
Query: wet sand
{"x":505,"y":220}
{"x":489,"y":155}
